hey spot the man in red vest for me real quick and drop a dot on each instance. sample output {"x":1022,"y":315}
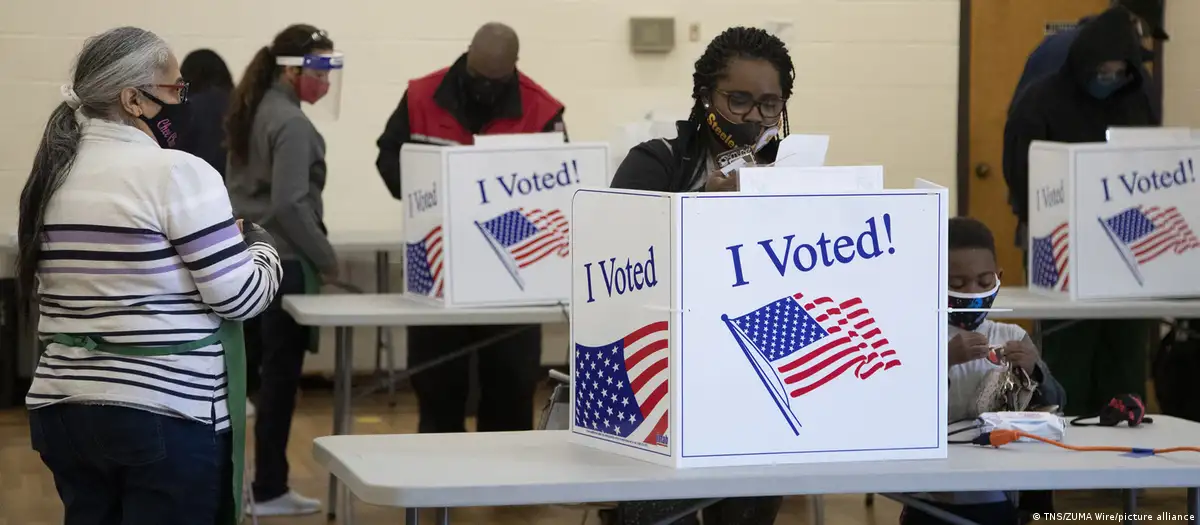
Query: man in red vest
{"x":481,"y":94}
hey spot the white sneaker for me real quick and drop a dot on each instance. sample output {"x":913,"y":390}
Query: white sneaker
{"x":249,"y":409}
{"x":290,"y":504}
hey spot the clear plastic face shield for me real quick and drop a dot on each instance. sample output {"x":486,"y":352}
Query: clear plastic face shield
{"x":319,"y":82}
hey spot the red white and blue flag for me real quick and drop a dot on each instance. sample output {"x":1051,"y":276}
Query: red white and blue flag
{"x":798,"y":344}
{"x":423,"y":264}
{"x":523,"y":237}
{"x":1143,"y":234}
{"x":1049,"y":258}
{"x":621,"y":387}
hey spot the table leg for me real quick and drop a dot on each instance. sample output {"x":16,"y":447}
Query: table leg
{"x":343,"y":364}
{"x":818,"y":503}
{"x":1193,"y":505}
{"x":1129,"y":499}
{"x":443,"y":516}
{"x":412,"y":516}
{"x":929,"y":509}
{"x":383,"y":334}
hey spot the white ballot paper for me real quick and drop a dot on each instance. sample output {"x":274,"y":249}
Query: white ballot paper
{"x":827,"y":179}
{"x":802,"y":151}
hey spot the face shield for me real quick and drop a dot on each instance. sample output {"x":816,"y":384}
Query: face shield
{"x":319,"y":82}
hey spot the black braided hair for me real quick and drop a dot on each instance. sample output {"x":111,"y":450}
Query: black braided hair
{"x":740,"y":42}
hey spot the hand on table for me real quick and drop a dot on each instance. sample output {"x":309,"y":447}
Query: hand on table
{"x":968,"y":346}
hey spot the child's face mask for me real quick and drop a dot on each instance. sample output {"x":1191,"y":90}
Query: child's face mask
{"x":971,"y":320}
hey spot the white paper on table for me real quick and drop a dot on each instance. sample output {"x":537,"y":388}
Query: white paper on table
{"x":521,"y":139}
{"x":810,"y":180}
{"x":802,"y":151}
{"x":1149,"y":135}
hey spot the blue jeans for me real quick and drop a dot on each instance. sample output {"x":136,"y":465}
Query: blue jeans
{"x":114,"y":465}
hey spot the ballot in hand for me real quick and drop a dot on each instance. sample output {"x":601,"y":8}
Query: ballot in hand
{"x":719,"y":181}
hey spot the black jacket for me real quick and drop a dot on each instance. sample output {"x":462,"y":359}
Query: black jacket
{"x":672,"y":165}
{"x":1058,"y":107}
{"x":204,"y":136}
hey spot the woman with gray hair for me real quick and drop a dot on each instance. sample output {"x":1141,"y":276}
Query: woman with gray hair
{"x":141,"y":274}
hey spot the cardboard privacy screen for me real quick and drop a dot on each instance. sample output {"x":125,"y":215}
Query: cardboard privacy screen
{"x":490,"y":226}
{"x":736,"y":329}
{"x":1114,"y":220}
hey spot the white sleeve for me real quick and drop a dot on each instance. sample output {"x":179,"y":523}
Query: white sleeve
{"x":237,"y":281}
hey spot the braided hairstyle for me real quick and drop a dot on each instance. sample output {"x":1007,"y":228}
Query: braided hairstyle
{"x":740,"y":42}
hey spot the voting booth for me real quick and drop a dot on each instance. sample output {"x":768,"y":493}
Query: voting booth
{"x":714,"y":329}
{"x":1114,"y":220}
{"x":490,"y":225}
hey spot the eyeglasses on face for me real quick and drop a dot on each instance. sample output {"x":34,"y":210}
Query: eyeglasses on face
{"x":181,"y":87}
{"x":742,"y":103}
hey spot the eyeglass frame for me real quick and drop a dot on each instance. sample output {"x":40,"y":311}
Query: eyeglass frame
{"x":183,"y":88}
{"x":755,"y":103}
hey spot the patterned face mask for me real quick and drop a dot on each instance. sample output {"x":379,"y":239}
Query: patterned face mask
{"x":971,"y":320}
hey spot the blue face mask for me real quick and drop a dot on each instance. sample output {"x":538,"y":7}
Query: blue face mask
{"x":971,"y":320}
{"x":1103,"y":87}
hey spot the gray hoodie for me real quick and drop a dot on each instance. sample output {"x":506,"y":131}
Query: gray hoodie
{"x":280,"y":185}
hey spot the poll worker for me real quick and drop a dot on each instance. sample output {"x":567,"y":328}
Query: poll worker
{"x":740,"y":90}
{"x":209,"y":85}
{"x":1099,"y":86}
{"x":276,"y":176}
{"x":1146,"y":17}
{"x":483,"y":93}
{"x":142,"y":273}
{"x":974,"y":280}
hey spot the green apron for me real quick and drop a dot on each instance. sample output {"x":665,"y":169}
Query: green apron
{"x":231,"y":339}
{"x":312,"y":286}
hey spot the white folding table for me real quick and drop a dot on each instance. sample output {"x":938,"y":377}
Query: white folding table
{"x":347,"y":311}
{"x":438,"y":471}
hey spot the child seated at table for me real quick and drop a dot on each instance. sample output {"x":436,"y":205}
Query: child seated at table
{"x":974,"y":281}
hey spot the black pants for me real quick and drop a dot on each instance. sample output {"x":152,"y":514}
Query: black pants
{"x":282,"y":345}
{"x":114,"y":465}
{"x":999,"y":513}
{"x":508,"y":374}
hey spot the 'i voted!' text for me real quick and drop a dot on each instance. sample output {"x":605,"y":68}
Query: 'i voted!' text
{"x":620,"y":279}
{"x":783,"y":254}
{"x":1136,"y":182}
{"x":515,"y":184}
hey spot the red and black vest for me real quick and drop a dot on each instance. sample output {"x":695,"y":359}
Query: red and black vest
{"x":430,"y":122}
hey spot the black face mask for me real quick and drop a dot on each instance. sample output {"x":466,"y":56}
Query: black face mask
{"x":485,"y":91}
{"x":730,"y":135}
{"x":167,"y":124}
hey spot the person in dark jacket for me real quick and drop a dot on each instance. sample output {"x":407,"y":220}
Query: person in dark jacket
{"x":483,"y":93}
{"x":1099,"y":86}
{"x":209,"y":85}
{"x":1147,"y":15}
{"x":740,"y":90}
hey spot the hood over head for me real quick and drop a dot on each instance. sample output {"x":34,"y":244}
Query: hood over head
{"x":1109,"y":36}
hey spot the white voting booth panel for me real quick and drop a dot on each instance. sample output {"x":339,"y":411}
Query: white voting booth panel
{"x":490,"y":225}
{"x":741,"y":329}
{"x":1114,"y":220}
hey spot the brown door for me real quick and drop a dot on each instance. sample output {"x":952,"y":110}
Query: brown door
{"x":1003,"y":33}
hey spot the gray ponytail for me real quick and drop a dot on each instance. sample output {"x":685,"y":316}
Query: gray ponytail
{"x":108,"y":63}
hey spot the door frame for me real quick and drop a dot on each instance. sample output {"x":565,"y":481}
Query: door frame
{"x":963,"y":154}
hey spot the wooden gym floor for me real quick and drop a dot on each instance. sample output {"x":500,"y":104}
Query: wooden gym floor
{"x":27,"y":495}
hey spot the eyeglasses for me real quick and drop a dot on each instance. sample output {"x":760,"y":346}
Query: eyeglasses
{"x":742,"y":103}
{"x":182,"y":87}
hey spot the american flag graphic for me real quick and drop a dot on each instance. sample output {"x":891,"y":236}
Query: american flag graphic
{"x":423,"y":264}
{"x":1143,"y":234}
{"x":523,"y":237}
{"x":798,"y":345}
{"x":1049,"y":259}
{"x":621,"y":387}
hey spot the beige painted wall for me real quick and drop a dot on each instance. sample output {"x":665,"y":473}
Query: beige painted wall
{"x":879,"y":76}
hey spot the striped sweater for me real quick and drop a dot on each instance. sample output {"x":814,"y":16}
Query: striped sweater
{"x":140,"y":247}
